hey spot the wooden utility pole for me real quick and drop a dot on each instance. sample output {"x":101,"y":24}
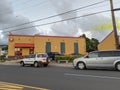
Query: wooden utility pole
{"x":114,"y":25}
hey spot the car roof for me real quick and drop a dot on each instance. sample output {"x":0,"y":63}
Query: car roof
{"x":106,"y":51}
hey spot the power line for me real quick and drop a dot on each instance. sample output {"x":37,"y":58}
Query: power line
{"x":56,"y":15}
{"x":57,"y":21}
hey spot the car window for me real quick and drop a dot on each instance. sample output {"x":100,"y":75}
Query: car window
{"x":41,"y":55}
{"x":92,"y":55}
{"x":32,"y":56}
{"x":116,"y":53}
{"x":106,"y":54}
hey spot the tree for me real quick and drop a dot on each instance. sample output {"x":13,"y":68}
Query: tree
{"x":91,"y":44}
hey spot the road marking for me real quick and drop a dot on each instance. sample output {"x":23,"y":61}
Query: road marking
{"x":12,"y":86}
{"x":93,"y":76}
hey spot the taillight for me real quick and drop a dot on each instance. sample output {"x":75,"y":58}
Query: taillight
{"x":44,"y":60}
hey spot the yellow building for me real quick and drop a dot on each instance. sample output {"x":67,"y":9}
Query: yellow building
{"x":108,"y":43}
{"x":22,"y":45}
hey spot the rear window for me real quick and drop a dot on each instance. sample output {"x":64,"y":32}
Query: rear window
{"x":109,"y":53}
{"x":41,"y":55}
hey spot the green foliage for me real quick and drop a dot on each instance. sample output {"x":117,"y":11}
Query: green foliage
{"x":2,"y":58}
{"x":69,"y":58}
{"x":91,"y":44}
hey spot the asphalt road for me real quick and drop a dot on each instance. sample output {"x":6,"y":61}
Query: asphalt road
{"x":58,"y":78}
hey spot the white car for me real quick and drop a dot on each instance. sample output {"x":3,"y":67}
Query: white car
{"x":39,"y":59}
{"x":99,"y":59}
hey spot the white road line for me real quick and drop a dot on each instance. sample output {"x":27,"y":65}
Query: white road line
{"x":92,"y":76}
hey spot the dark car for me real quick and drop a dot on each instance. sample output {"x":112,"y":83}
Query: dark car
{"x":53,"y":54}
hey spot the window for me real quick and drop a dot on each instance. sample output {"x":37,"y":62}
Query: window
{"x":48,"y":47}
{"x":75,"y":48}
{"x":62,"y":45}
{"x":32,"y":56}
{"x":41,"y":55}
{"x":93,"y":55}
{"x":105,"y":54}
{"x":116,"y":53}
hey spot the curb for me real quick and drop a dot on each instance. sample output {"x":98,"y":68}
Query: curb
{"x":16,"y":62}
{"x":61,"y":64}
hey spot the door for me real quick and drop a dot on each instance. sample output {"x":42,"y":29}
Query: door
{"x":93,"y":60}
{"x":30,"y":59}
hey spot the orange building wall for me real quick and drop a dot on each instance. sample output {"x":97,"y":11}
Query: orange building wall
{"x":40,"y":44}
{"x":18,"y":39}
{"x":108,"y":43}
{"x":25,"y":51}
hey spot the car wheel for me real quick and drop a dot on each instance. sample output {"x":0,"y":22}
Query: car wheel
{"x":118,"y":66}
{"x":81,"y":65}
{"x":45,"y":65}
{"x":35,"y":64}
{"x":22,"y":63}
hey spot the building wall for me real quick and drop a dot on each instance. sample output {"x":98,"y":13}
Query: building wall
{"x":12,"y":39}
{"x":40,"y":44}
{"x":25,"y":51}
{"x":108,"y":43}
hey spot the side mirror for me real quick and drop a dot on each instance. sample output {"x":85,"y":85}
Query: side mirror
{"x":87,"y":57}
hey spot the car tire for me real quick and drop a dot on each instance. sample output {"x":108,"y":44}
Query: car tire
{"x":81,"y":65}
{"x":36,"y":64}
{"x":22,"y":63}
{"x":45,"y":65}
{"x":118,"y":66}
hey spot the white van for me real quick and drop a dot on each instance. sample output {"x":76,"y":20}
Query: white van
{"x":99,"y":59}
{"x":39,"y":59}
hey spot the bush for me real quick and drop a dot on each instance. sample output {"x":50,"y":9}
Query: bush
{"x":2,"y":58}
{"x":69,"y":58}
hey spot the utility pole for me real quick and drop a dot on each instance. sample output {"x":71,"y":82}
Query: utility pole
{"x":114,"y":25}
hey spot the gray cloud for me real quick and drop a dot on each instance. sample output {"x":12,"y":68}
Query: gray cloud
{"x":8,"y":19}
{"x":90,"y":24}
{"x":68,"y":28}
{"x":84,"y":24}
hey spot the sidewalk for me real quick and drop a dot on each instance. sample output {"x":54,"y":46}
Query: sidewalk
{"x":10,"y":62}
{"x":16,"y":62}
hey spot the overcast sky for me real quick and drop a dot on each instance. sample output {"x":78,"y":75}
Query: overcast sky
{"x":16,"y":12}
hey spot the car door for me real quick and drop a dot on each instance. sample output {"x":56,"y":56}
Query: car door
{"x":30,"y":59}
{"x":109,"y":58}
{"x":93,"y":60}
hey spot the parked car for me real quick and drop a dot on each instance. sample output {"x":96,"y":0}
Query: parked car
{"x":53,"y":54}
{"x":99,"y":59}
{"x":39,"y":59}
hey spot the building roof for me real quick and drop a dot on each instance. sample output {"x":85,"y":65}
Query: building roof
{"x":43,"y":36}
{"x":107,"y":36}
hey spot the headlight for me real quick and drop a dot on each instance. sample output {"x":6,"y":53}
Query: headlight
{"x":74,"y":60}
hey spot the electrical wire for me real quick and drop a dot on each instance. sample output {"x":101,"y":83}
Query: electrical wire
{"x":58,"y":21}
{"x":56,"y":15}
